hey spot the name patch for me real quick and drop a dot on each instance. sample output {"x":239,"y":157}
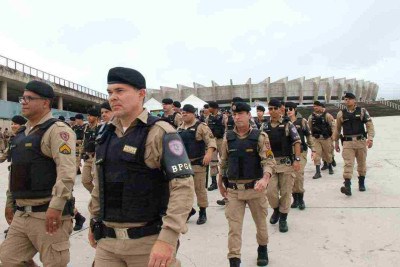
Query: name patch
{"x":129,"y":149}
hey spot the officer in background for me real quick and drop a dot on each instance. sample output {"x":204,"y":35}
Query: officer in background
{"x":106,"y":112}
{"x":205,"y":114}
{"x":217,"y":126}
{"x":144,"y":187}
{"x":228,"y":120}
{"x":305,"y":134}
{"x":170,"y":115}
{"x":321,"y":125}
{"x":200,"y":145}
{"x":177,"y":106}
{"x":244,"y":174}
{"x":72,"y":122}
{"x":259,"y":120}
{"x":61,"y":118}
{"x":79,"y":129}
{"x":283,"y":137}
{"x":41,"y":181}
{"x":355,"y":140}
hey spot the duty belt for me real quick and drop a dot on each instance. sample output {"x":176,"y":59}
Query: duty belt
{"x":286,"y":160}
{"x":353,"y":138}
{"x":236,"y":186}
{"x":68,"y":209}
{"x":132,"y":233}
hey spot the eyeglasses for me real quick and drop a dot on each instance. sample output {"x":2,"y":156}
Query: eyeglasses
{"x":27,"y":99}
{"x":287,"y":109}
{"x":272,"y":108}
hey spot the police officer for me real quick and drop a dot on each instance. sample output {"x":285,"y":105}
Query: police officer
{"x":144,"y":187}
{"x":244,"y":174}
{"x":283,"y":136}
{"x":170,"y":115}
{"x":304,"y":132}
{"x":79,"y":129}
{"x":205,"y":113}
{"x":229,"y":122}
{"x":355,"y":140}
{"x":41,"y":181}
{"x":177,"y":106}
{"x":200,"y":145}
{"x":321,"y":123}
{"x":259,"y":120}
{"x":72,"y":122}
{"x":90,"y":132}
{"x":106,"y":112}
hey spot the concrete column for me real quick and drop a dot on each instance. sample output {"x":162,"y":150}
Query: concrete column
{"x":60,"y":104}
{"x":3,"y":86}
{"x":301,"y":92}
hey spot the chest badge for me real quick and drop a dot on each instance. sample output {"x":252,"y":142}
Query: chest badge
{"x":129,"y":149}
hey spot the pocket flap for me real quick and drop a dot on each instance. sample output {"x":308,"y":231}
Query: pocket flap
{"x":61,"y":246}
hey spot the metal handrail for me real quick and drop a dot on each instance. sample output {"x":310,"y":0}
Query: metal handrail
{"x":13,"y":64}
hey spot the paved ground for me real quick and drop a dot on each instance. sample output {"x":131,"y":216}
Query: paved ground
{"x":334,"y":230}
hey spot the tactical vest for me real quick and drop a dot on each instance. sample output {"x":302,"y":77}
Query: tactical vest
{"x":216,"y":125}
{"x":79,"y":131}
{"x":230,"y":123}
{"x":320,"y":126}
{"x":352,"y":123}
{"x":280,"y":143}
{"x":298,"y":123}
{"x":194,"y":148}
{"x":258,"y":122}
{"x":170,"y":119}
{"x":33,"y":174}
{"x":89,"y":143}
{"x":130,"y":191}
{"x":244,"y":163}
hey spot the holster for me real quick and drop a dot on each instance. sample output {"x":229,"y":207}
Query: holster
{"x":225,"y":181}
{"x":69,"y":207}
{"x":97,"y":228}
{"x":341,"y":138}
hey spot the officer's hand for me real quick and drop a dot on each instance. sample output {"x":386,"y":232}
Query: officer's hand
{"x":92,"y":242}
{"x":296,"y":165}
{"x":53,"y":220}
{"x":207,"y":159}
{"x":369,"y":143}
{"x":262,"y":184}
{"x":337,"y":148}
{"x":161,"y":254}
{"x":9,"y":214}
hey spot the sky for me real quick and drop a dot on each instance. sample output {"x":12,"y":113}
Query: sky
{"x":180,"y":42}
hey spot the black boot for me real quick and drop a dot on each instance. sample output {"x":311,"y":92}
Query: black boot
{"x":346,"y":189}
{"x":222,"y":202}
{"x":213,"y":184}
{"x":79,"y":220}
{"x":361,"y":185}
{"x":330,"y":168}
{"x":202,"y":216}
{"x":283,"y":227}
{"x":234,"y":262}
{"x":325,"y":166}
{"x":262,"y":258}
{"x":302,"y":205}
{"x":275,"y":216}
{"x":333,"y":162}
{"x":191,"y":213}
{"x":317,"y":172}
{"x":295,"y":203}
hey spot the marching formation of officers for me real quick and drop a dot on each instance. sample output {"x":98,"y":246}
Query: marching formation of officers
{"x":142,"y":171}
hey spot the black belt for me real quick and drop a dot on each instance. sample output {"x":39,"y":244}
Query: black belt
{"x":68,"y":209}
{"x":349,"y":138}
{"x":132,"y":233}
{"x":246,"y":186}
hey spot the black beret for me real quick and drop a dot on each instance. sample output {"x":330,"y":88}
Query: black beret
{"x":291,"y":105}
{"x":261,"y":108}
{"x":350,"y":96}
{"x":317,"y":103}
{"x":167,"y":101}
{"x":240,"y":106}
{"x":18,"y":120}
{"x":40,"y":88}
{"x":206,"y":106}
{"x":213,"y":104}
{"x":237,"y":99}
{"x":79,"y":116}
{"x":189,"y":108}
{"x":72,"y":119}
{"x":177,"y":104}
{"x":126,"y":76}
{"x":105,"y":105}
{"x":274,"y":103}
{"x":94,"y":112}
{"x":61,"y":118}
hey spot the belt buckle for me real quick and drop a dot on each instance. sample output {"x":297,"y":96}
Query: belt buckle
{"x":28,"y":208}
{"x":240,"y":186}
{"x":121,"y":233}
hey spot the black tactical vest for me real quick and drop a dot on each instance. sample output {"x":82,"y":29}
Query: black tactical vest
{"x":280,"y":143}
{"x":216,"y":125}
{"x":33,"y":174}
{"x":79,"y":131}
{"x":89,"y":143}
{"x":194,"y":148}
{"x":320,"y":126}
{"x":170,"y":119}
{"x":129,"y":190}
{"x":259,"y":122}
{"x":230,"y":123}
{"x":244,"y":163}
{"x":352,"y":123}
{"x":299,"y":127}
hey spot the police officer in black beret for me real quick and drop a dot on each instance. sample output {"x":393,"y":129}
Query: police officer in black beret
{"x":260,"y":119}
{"x":72,"y":121}
{"x":170,"y":115}
{"x":79,"y":129}
{"x":106,"y":112}
{"x":177,"y":106}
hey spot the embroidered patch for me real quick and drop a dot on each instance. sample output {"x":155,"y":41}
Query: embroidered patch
{"x":64,"y":149}
{"x":28,"y":145}
{"x":176,"y":147}
{"x":270,"y":154}
{"x":64,"y":136}
{"x":129,"y":149}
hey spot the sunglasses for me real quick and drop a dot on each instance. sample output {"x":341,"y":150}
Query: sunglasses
{"x":272,"y":108}
{"x":287,"y":109}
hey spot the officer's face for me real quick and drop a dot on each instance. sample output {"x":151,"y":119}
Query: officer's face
{"x":166,"y":107}
{"x":125,"y":100}
{"x":274,"y":112}
{"x":106,"y":114}
{"x":188,"y":117}
{"x":316,"y":108}
{"x":241,"y":118}
{"x":260,"y":113}
{"x":33,"y":105}
{"x":282,"y":109}
{"x":14,"y":127}
{"x":92,"y":119}
{"x":349,"y":102}
{"x":206,"y":112}
{"x":79,"y":122}
{"x":290,"y":112}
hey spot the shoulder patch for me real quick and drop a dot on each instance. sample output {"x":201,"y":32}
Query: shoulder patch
{"x":64,"y":136}
{"x":168,"y":128}
{"x":64,"y":149}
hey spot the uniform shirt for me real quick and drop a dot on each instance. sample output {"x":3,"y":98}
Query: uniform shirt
{"x":306,"y":129}
{"x":364,"y":115}
{"x":328,"y":117}
{"x":203,"y":133}
{"x":177,"y":119}
{"x":58,"y":143}
{"x":264,"y":151}
{"x":181,"y":190}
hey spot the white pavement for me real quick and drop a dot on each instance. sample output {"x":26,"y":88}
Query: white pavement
{"x":334,"y":230}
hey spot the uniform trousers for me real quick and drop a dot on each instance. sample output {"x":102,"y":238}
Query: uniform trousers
{"x":234,"y":213}
{"x":200,"y":173}
{"x":214,"y":159}
{"x":323,"y":149}
{"x":298,"y":186}
{"x":356,"y":149}
{"x":87,"y":176}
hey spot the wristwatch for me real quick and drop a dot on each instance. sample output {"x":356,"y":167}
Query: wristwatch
{"x":297,"y":159}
